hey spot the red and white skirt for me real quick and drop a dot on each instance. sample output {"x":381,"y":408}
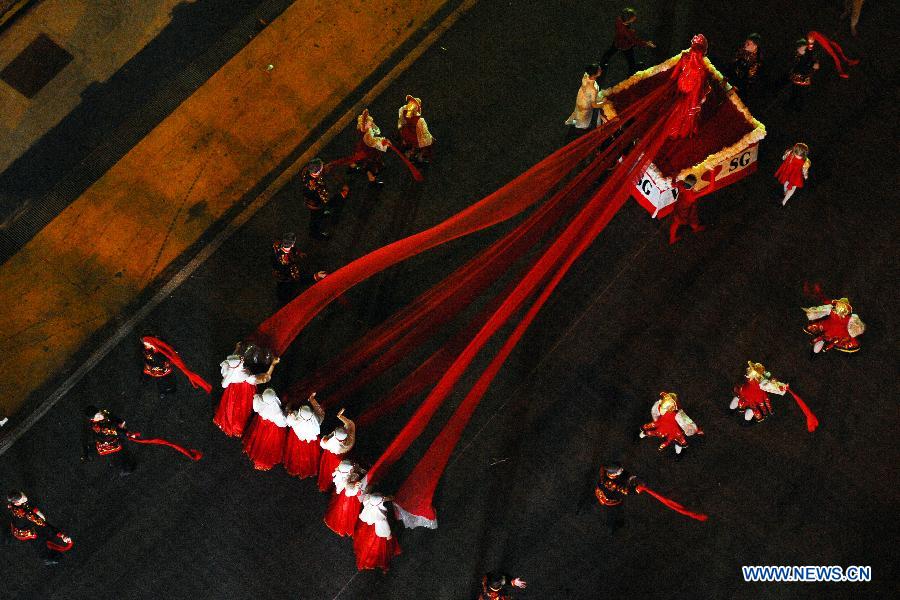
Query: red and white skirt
{"x":301,"y":459}
{"x":342,"y":513}
{"x":264,"y":443}
{"x":235,"y":408}
{"x":372,"y":551}
{"x":327,"y":464}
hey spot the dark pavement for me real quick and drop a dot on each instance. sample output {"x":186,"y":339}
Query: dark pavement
{"x":633,"y":317}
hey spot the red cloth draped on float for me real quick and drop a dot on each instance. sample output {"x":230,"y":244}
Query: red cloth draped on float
{"x":646,"y":124}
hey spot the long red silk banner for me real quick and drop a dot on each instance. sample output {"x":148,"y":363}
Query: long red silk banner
{"x":644,"y":124}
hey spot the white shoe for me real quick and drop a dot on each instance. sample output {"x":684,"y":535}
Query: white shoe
{"x":817,"y":347}
{"x":748,"y":414}
{"x":734,"y":403}
{"x":678,"y":449}
{"x":642,"y":435}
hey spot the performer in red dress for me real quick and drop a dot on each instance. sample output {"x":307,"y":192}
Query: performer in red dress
{"x":335,"y":445}
{"x":343,"y":509}
{"x":28,"y":523}
{"x":685,"y":211}
{"x":834,"y":325}
{"x":497,"y":586}
{"x":794,"y":170}
{"x":240,"y":387}
{"x":693,"y":88}
{"x":416,"y":141}
{"x":752,"y":396}
{"x":302,"y":454}
{"x":371,"y":145}
{"x":265,"y":437}
{"x":670,"y":423}
{"x":373,"y":542}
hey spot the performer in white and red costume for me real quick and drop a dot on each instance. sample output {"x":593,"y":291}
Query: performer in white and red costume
{"x":752,"y":396}
{"x":693,"y":88}
{"x":266,"y":435}
{"x":834,"y":325}
{"x":370,"y":147}
{"x":302,"y":453}
{"x":794,"y":170}
{"x":343,"y":509}
{"x":373,"y":542}
{"x":670,"y":423}
{"x":334,"y":446}
{"x":416,"y":141}
{"x":237,"y":399}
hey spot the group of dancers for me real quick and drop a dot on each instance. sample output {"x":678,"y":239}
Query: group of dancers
{"x":274,"y":434}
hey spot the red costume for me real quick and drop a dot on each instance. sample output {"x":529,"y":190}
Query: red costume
{"x":373,"y":542}
{"x":334,"y":446}
{"x":693,"y":88}
{"x":834,"y":325}
{"x":302,"y":453}
{"x":343,"y":509}
{"x":793,"y":170}
{"x":265,"y":438}
{"x":236,"y":404}
{"x":670,"y":423}
{"x":752,"y":397}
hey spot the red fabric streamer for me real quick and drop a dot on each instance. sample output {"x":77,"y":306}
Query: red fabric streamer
{"x":835,"y":51}
{"x":280,"y":329}
{"x":170,"y":353}
{"x":414,"y":500}
{"x":194,"y":455}
{"x":672,"y":504}
{"x":416,"y":174}
{"x":811,"y":421}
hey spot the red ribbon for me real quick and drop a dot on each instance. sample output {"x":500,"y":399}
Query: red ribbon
{"x":361,"y":154}
{"x":194,"y":455}
{"x":672,"y":504}
{"x":836,"y":52}
{"x":811,"y":421}
{"x":170,"y":353}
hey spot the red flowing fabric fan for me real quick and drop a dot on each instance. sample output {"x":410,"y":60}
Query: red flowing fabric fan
{"x":538,"y":258}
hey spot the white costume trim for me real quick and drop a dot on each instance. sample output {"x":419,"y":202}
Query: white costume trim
{"x":306,"y":430}
{"x":268,"y":406}
{"x":372,"y":138}
{"x":234,"y":374}
{"x":687,"y":425}
{"x":773,"y":386}
{"x":817,"y":312}
{"x":855,"y":326}
{"x":374,"y":513}
{"x":333,"y":445}
{"x":410,"y":520}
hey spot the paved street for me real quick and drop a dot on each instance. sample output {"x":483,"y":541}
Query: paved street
{"x":634,"y":316}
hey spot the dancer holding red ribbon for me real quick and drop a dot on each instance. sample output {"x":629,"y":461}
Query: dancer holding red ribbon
{"x":373,"y":541}
{"x":335,"y":446}
{"x":302,"y":453}
{"x":751,"y":397}
{"x":343,"y":509}
{"x":240,"y":388}
{"x":158,"y":360}
{"x":834,"y":325}
{"x":670,"y":423}
{"x":266,"y":435}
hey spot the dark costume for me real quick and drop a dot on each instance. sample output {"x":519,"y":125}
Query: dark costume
{"x":624,"y":41}
{"x":496,"y":586}
{"x":315,"y":196}
{"x":104,"y":435}
{"x":614,"y":484}
{"x":158,"y":368}
{"x":801,"y":75}
{"x":27,"y":523}
{"x":290,"y":270}
{"x":745,"y":69}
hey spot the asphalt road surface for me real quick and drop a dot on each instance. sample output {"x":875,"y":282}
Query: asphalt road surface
{"x":633,"y":317}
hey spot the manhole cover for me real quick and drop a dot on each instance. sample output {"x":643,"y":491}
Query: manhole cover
{"x":35,"y":66}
